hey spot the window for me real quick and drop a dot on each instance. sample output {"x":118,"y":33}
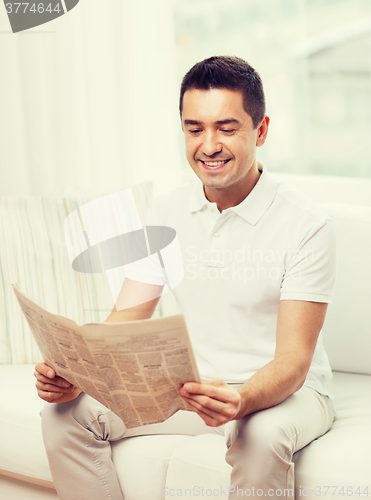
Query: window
{"x":314,"y":58}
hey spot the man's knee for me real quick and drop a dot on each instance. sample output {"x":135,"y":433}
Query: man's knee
{"x":58,"y":421}
{"x":53,"y":421}
{"x":82,"y":417}
{"x":262,"y":436}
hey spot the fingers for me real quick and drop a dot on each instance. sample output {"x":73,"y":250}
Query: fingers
{"x":52,"y":388}
{"x":49,"y":386}
{"x":214,"y":389}
{"x":203,"y":401}
{"x":44,"y":369}
{"x":213,"y":408}
{"x":215,"y":401}
{"x":55,"y":397}
{"x":64,"y":398}
{"x":49,"y":397}
{"x":211,"y":418}
{"x":49,"y":392}
{"x":58,"y":382}
{"x":47,"y":375}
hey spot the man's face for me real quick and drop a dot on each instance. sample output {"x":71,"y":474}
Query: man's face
{"x":221,"y":141}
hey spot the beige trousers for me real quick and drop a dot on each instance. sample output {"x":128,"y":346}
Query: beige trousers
{"x":77,"y":438}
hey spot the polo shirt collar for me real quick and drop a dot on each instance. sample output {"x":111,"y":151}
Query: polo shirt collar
{"x":252,"y":208}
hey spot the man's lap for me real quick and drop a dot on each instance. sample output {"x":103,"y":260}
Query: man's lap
{"x":90,"y":413}
{"x":302,"y":417}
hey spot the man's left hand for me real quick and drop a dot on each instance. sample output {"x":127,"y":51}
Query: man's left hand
{"x":215,"y":402}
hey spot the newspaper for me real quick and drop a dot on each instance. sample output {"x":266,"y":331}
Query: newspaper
{"x":134,"y":368}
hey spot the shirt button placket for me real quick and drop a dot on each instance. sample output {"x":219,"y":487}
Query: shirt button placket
{"x":217,"y":244}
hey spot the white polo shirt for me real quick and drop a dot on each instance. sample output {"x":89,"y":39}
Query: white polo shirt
{"x":238,"y":264}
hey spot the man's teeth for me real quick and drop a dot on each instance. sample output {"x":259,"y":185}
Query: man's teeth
{"x":214,"y":163}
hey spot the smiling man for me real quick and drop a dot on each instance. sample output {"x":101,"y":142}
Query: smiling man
{"x":221,"y":142}
{"x":259,"y":272}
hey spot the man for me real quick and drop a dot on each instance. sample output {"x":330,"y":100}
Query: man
{"x":259,"y":273}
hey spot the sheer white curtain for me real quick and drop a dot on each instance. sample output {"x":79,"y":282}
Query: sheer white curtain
{"x":90,"y":99}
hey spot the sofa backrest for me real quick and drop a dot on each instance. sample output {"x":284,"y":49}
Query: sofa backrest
{"x":347,"y":329}
{"x":329,"y":188}
{"x":33,"y":254}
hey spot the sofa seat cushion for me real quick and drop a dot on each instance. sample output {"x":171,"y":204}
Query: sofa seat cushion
{"x":199,"y":465}
{"x":142,"y":464}
{"x":339,"y":458}
{"x":22,"y":448}
{"x":342,"y":456}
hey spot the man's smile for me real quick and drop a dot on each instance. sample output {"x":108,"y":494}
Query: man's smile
{"x":214,"y":165}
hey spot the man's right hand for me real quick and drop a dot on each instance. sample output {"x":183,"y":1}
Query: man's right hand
{"x":51,"y":388}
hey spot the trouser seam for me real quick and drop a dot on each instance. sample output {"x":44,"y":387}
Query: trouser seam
{"x":295,"y":436}
{"x":100,"y":472}
{"x":95,"y":459}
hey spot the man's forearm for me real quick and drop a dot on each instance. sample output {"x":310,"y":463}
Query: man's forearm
{"x":272,"y":384}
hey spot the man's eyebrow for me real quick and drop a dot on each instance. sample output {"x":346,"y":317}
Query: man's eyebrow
{"x":192,"y":122}
{"x":226,"y":121}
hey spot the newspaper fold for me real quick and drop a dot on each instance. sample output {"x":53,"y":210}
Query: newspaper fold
{"x":135,"y":368}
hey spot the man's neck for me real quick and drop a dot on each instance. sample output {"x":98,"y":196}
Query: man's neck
{"x":233,"y":195}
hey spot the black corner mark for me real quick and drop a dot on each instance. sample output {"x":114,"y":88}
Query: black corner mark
{"x":23,"y":16}
{"x":70,"y":4}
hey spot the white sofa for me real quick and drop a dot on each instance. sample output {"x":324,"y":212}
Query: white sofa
{"x":337,"y":465}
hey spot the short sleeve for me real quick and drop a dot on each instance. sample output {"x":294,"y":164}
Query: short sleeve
{"x":311,"y":269}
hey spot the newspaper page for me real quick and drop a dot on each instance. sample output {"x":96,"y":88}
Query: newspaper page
{"x":134,"y":368}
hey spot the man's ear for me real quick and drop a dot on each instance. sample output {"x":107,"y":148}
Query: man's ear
{"x":262,"y":131}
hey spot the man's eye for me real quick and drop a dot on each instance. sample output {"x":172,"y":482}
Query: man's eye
{"x":228,"y":131}
{"x":195,"y":131}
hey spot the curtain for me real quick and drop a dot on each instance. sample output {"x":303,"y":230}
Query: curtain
{"x":89,"y":100}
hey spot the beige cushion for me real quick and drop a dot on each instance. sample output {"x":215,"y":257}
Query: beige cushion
{"x":200,"y":463}
{"x":347,"y":330}
{"x":342,"y":456}
{"x":21,"y":423}
{"x":142,"y":464}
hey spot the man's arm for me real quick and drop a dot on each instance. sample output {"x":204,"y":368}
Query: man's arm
{"x":298,"y":327}
{"x":54,"y":389}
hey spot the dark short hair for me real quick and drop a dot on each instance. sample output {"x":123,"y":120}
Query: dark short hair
{"x":231,"y":73}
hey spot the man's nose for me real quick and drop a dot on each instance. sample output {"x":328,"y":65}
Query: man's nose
{"x":211,"y":145}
